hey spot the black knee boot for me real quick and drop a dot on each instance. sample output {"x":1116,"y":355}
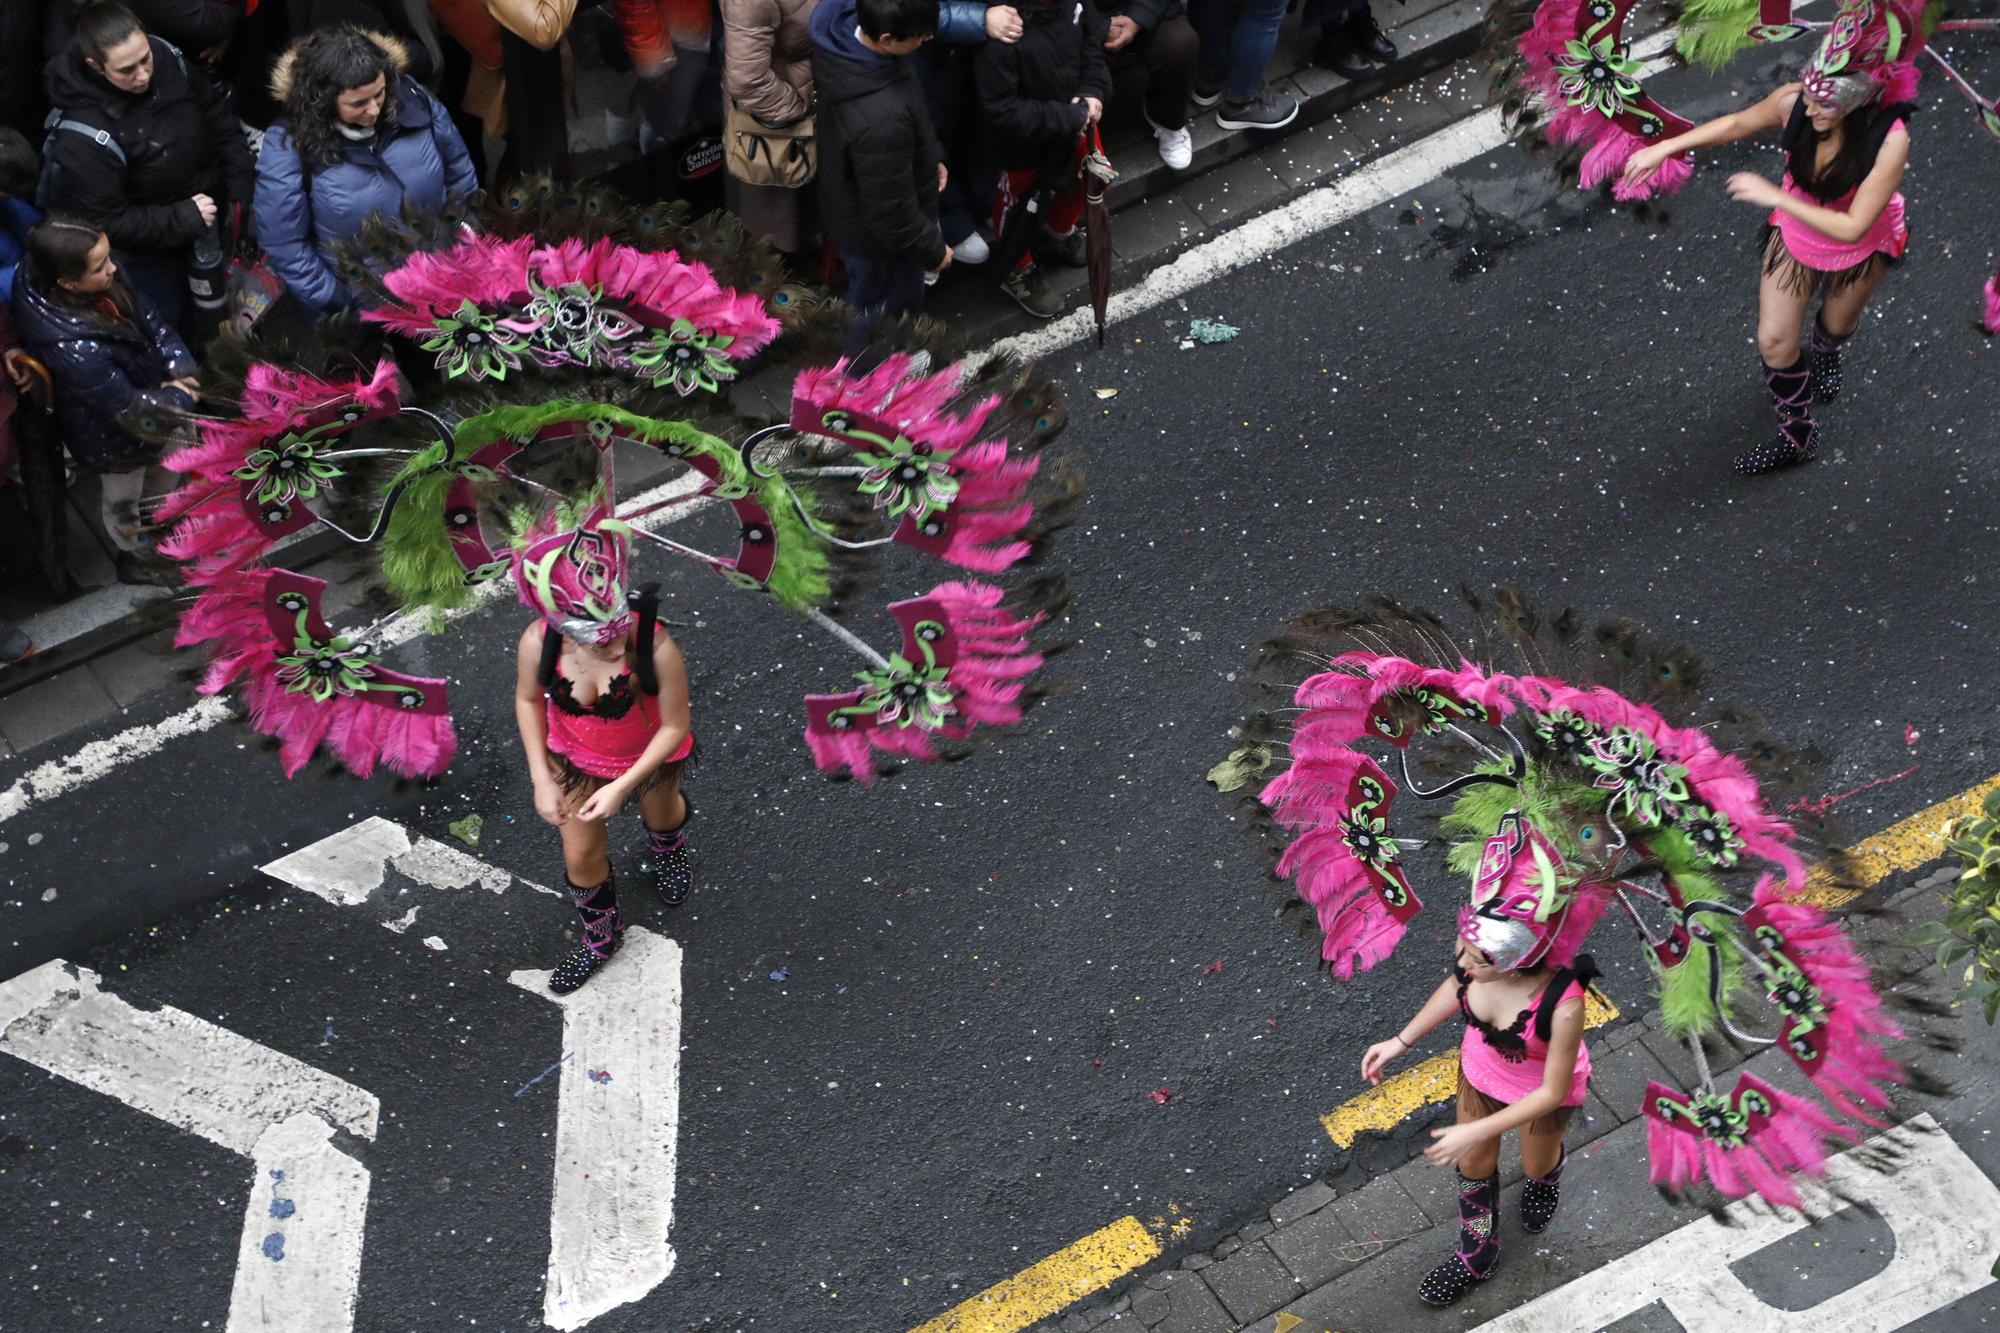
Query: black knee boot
{"x":1825,"y":355}
{"x":1541,"y":1196}
{"x":603,"y":928}
{"x":1478,"y":1251}
{"x":1797,"y":440}
{"x":673,"y":859}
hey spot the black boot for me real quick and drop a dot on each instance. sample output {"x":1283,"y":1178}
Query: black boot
{"x":1797,"y":440}
{"x":1367,"y":36}
{"x":672,"y":860}
{"x":1825,"y":357}
{"x":1336,"y":51}
{"x":1541,"y":1196}
{"x":1478,"y":1251}
{"x":603,"y":931}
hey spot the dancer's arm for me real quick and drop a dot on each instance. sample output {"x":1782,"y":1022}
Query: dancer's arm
{"x":1565,"y":1040}
{"x":531,"y":715}
{"x":1768,"y":114}
{"x":1442,"y":1005}
{"x":1869,"y":201}
{"x":672,"y":675}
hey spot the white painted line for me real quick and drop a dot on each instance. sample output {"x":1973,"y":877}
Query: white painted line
{"x":298,"y":1260}
{"x":617,"y":1121}
{"x":171,"y":1065}
{"x":59,"y":777}
{"x":1370,"y":186}
{"x":299,"y":1255}
{"x":349,"y":867}
{"x":1944,"y":1210}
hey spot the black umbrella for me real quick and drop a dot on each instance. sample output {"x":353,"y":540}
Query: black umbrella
{"x":1098,"y":173}
{"x":44,"y":481}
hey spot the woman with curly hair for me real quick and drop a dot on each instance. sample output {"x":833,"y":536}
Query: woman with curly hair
{"x":358,"y":136}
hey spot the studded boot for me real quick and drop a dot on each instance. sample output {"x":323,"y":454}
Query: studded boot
{"x":1478,"y":1251}
{"x":603,"y":931}
{"x":671,"y":858}
{"x":1825,"y":357}
{"x":1797,"y":440}
{"x":1541,"y":1196}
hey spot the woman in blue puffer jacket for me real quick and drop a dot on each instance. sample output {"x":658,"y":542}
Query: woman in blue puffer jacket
{"x":359,"y":136}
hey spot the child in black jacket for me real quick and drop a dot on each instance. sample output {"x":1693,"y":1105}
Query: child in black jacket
{"x":1037,"y":98}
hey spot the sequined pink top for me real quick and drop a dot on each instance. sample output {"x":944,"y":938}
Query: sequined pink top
{"x":1888,"y":235}
{"x":607,"y":738}
{"x":1511,"y":1067}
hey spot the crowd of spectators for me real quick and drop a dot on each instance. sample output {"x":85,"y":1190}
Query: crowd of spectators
{"x":144,"y":145}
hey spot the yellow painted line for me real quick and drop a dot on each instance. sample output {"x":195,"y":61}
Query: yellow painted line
{"x":1904,"y":845}
{"x":1389,"y":1102}
{"x":1060,"y":1280}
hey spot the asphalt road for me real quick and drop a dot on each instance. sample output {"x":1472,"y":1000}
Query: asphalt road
{"x":990,"y":967}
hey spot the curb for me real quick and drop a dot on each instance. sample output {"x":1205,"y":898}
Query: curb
{"x":1428,"y":42}
{"x":1327,"y":1235}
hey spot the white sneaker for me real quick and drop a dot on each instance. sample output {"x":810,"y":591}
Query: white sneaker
{"x":972,"y":250}
{"x":1176,"y":147}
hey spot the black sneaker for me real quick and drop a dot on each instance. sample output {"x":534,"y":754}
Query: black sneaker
{"x":1336,"y":51}
{"x":146,"y":570}
{"x":1061,"y":248}
{"x":1366,"y":33}
{"x":15,"y":645}
{"x":1206,"y":94}
{"x":1779,"y":451}
{"x":1030,"y":290}
{"x":1266,"y":111}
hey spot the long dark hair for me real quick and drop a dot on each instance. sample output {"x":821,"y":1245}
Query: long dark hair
{"x":59,"y":246}
{"x":325,"y":65}
{"x":1862,"y":131}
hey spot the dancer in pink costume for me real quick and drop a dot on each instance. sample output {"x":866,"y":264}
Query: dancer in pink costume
{"x":1593,"y":778}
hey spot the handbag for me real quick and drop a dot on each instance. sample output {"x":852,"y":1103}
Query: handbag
{"x":785,"y":156}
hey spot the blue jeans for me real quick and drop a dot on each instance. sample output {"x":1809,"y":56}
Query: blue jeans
{"x":877,"y":287}
{"x":1235,"y":56}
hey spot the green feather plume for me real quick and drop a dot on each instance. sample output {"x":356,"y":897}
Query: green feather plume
{"x":1714,"y":32}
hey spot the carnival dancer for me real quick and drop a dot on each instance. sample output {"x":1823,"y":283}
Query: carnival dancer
{"x":1522,"y":1066}
{"x":1836,"y":224}
{"x":601,"y":697}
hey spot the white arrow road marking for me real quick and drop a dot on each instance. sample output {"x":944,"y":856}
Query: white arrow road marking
{"x":1943,"y":1209}
{"x":618,"y":1117}
{"x":299,"y":1258}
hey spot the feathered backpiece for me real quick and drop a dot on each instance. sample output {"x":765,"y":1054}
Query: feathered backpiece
{"x":530,"y":360}
{"x":1572,"y":785}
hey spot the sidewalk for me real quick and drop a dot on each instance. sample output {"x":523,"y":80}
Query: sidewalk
{"x":101,"y":652}
{"x":1348,"y":1251}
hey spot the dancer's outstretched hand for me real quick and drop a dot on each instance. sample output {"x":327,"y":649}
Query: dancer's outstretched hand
{"x":1378,"y":1056}
{"x":1751,"y":188}
{"x":1639,"y":167}
{"x":1448,"y":1145}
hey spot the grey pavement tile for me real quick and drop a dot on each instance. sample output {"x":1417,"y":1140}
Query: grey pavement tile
{"x":1251,"y":1283}
{"x":6,"y":750}
{"x":1673,"y":1053}
{"x":1230,"y":191}
{"x":1178,"y":1302}
{"x":1300,"y":1202}
{"x":1433,"y":1190}
{"x":1317,"y":1248}
{"x":45,"y":710}
{"x":1593,"y":1120}
{"x":1380,"y":1210}
{"x":1654,"y":1318}
{"x":1620,"y":1076}
{"x":1154,"y":230}
{"x":1329,"y":149}
{"x":131,"y":673}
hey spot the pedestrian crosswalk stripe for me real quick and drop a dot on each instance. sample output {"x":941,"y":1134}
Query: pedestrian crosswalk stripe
{"x":1060,"y":1280}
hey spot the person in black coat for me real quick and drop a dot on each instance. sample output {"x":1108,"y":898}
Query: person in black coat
{"x":147,"y":150}
{"x":200,"y":28}
{"x":1037,"y":97}
{"x":881,"y":167}
{"x":1153,"y":54}
{"x":107,"y":350}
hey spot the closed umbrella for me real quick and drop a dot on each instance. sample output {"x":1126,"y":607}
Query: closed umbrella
{"x":1098,"y":173}
{"x":44,"y":481}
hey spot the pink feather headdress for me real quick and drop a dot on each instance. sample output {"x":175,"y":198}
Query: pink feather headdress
{"x":575,"y":577}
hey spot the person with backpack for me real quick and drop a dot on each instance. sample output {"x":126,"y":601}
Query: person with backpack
{"x":145,"y":146}
{"x":108,"y":350}
{"x":359,"y":136}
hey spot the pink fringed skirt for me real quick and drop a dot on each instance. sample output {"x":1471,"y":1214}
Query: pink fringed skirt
{"x":1802,"y":256}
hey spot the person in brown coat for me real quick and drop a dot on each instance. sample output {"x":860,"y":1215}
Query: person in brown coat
{"x":767,"y":73}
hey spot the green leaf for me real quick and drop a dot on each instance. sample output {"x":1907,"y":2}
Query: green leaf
{"x":1951,"y":953}
{"x":1928,"y":935}
{"x":1240,"y":767}
{"x":466,"y":830}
